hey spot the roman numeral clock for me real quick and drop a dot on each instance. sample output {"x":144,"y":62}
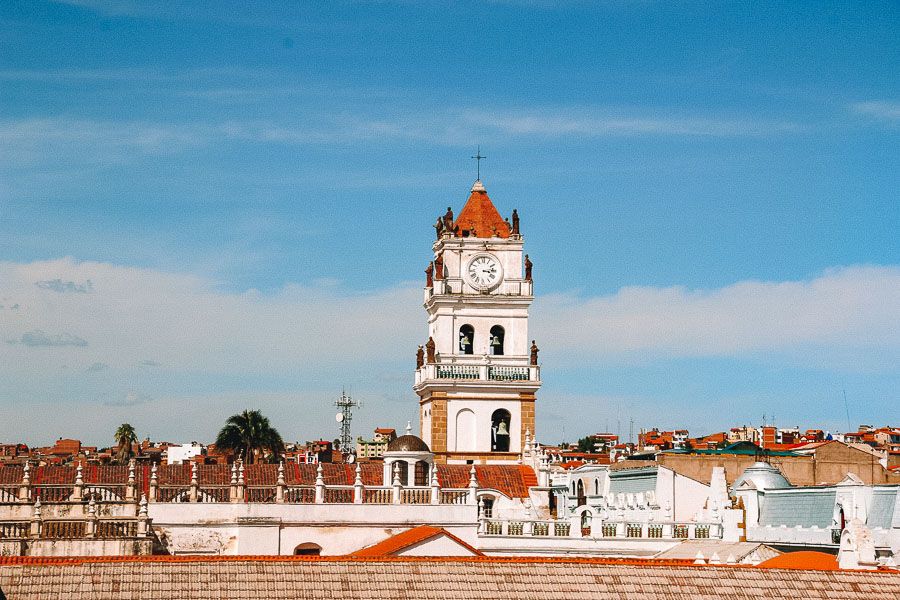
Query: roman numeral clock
{"x":484,"y":272}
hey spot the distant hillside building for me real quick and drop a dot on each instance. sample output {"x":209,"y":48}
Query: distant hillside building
{"x":376,"y":447}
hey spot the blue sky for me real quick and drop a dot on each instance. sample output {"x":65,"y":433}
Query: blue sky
{"x":208,"y":206}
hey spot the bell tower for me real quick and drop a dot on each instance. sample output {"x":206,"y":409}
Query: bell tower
{"x":477,"y":375}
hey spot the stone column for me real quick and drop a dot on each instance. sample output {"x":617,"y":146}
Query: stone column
{"x":279,"y":490}
{"x":25,"y":486}
{"x":195,"y":484}
{"x":143,"y":523}
{"x":359,"y":492}
{"x":410,"y":473}
{"x":473,"y":486}
{"x":78,"y":490}
{"x":34,"y":528}
{"x":154,"y":484}
{"x":395,"y":496}
{"x":130,"y":489}
{"x":239,"y":488}
{"x":320,"y":485}
{"x":90,"y":529}
{"x":435,"y":486}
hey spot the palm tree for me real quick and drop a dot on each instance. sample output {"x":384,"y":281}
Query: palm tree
{"x":125,"y":437}
{"x":251,"y":434}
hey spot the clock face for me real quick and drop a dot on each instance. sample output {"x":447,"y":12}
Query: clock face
{"x":484,"y":271}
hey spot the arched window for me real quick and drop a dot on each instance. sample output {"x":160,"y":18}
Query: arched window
{"x":466,"y":339}
{"x":308,"y":549}
{"x":421,"y":473}
{"x":582,"y":499}
{"x":596,"y":487}
{"x":500,"y":430}
{"x":487,"y":507}
{"x":586,"y":523}
{"x":496,"y":344}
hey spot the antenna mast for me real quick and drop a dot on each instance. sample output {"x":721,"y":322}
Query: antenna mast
{"x":345,"y":404}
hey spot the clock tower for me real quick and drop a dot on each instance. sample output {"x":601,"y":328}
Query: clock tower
{"x":477,"y":375}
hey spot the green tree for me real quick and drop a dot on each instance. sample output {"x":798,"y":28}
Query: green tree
{"x":586,"y":444}
{"x":125,"y":437}
{"x":250,"y":434}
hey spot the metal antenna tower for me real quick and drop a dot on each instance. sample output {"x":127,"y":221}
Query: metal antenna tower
{"x":345,"y":404}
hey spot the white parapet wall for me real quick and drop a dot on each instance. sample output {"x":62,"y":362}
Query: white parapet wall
{"x":337,"y":529}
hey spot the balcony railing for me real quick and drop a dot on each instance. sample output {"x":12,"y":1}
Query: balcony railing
{"x":9,"y":493}
{"x":300,"y":495}
{"x":13,"y":530}
{"x":73,"y":529}
{"x":457,"y":372}
{"x":378,"y":496}
{"x":452,"y":285}
{"x":508,"y":373}
{"x":606,"y":529}
{"x":460,"y":372}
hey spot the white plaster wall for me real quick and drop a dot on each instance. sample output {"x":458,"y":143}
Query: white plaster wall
{"x":176,"y":455}
{"x":279,"y":528}
{"x":458,"y":251}
{"x":512,"y":316}
{"x":483,"y":409}
{"x":85,"y":547}
{"x":425,"y":433}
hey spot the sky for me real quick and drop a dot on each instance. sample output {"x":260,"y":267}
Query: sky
{"x":213,"y":206}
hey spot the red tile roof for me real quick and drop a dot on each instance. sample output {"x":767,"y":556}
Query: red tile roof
{"x":804,"y":559}
{"x":394,"y":544}
{"x":511,"y":480}
{"x":480,"y":214}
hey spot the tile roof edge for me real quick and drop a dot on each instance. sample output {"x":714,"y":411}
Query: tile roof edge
{"x":36,"y":561}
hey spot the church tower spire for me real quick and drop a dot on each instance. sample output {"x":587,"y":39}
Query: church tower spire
{"x":477,"y":381}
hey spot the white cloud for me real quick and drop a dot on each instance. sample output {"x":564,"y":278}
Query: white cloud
{"x":881,"y":109}
{"x":604,"y":122}
{"x":844,"y":312}
{"x":62,"y":141}
{"x":187,"y":324}
{"x":305,"y":342}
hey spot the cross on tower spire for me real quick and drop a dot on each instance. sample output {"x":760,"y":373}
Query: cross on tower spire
{"x":478,"y":158}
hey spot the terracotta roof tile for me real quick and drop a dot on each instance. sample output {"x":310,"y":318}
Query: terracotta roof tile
{"x":480,"y":214}
{"x":10,"y":475}
{"x":396,"y":543}
{"x":804,"y":559}
{"x":202,"y":577}
{"x":511,"y":480}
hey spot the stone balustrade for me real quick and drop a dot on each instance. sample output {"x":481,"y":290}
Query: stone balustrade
{"x":455,"y":285}
{"x":606,"y":529}
{"x":484,"y":372}
{"x":236,"y":491}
